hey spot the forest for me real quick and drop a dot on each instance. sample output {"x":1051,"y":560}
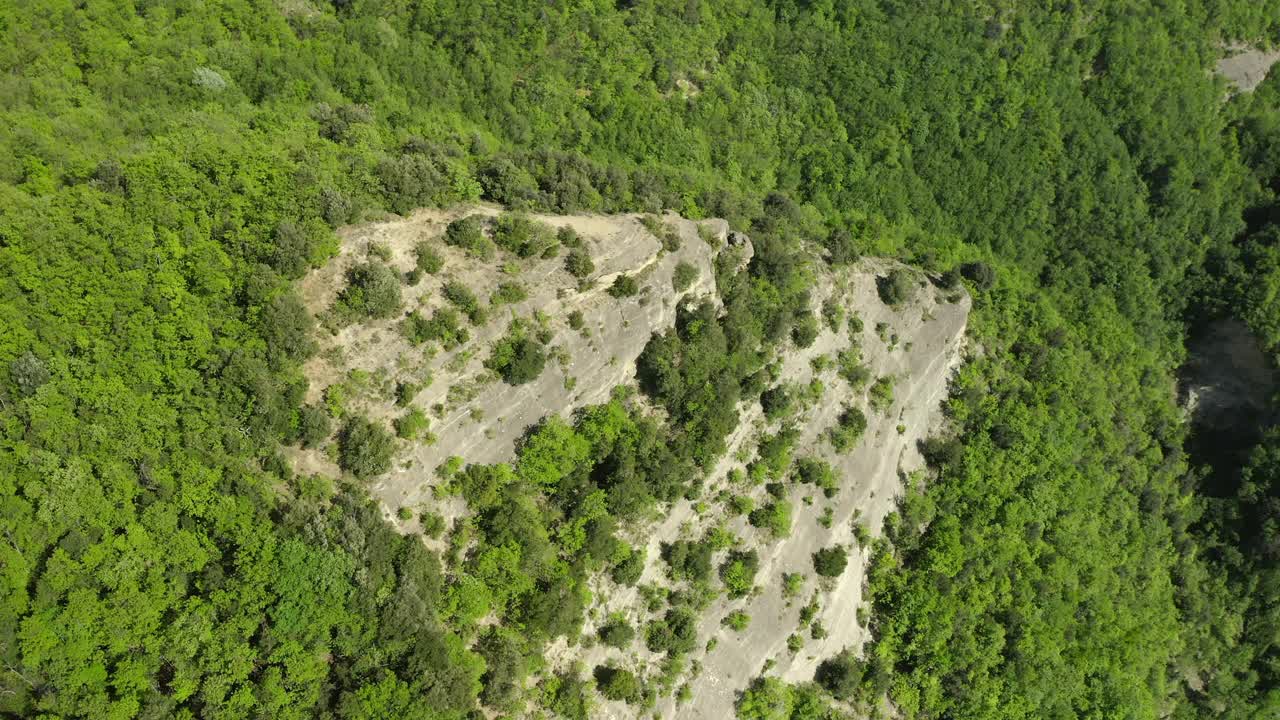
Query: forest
{"x":168,"y":170}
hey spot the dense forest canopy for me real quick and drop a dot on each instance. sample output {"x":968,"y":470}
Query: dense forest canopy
{"x":169,"y":168}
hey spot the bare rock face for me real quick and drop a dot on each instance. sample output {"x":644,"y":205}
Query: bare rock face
{"x":1246,"y":67}
{"x":476,"y":416}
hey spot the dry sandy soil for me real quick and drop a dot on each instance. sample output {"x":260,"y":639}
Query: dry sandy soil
{"x":479,"y":418}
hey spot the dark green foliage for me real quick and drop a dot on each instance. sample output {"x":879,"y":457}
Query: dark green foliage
{"x":444,"y":327}
{"x":896,"y":288}
{"x":624,"y":286}
{"x":286,"y":329}
{"x":819,"y":473}
{"x":617,"y":684}
{"x":778,"y":401}
{"x":683,"y":276}
{"x":504,"y":667}
{"x":433,"y":524}
{"x":805,"y":330}
{"x":578,"y":263}
{"x":617,"y":632}
{"x":468,"y":233}
{"x":576,"y":320}
{"x":630,"y":568}
{"x":850,"y":425}
{"x":832,"y":314}
{"x":980,"y":274}
{"x":841,"y":247}
{"x":738,"y":572}
{"x":364,"y":448}
{"x":675,"y":633}
{"x":299,"y":247}
{"x":830,"y":562}
{"x":313,"y":426}
{"x":689,"y":559}
{"x":461,"y":297}
{"x":372,"y":291}
{"x":518,"y":357}
{"x":841,"y":676}
{"x":774,"y":517}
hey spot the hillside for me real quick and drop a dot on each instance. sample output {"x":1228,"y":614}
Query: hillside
{"x":478,"y":417}
{"x":344,"y":372}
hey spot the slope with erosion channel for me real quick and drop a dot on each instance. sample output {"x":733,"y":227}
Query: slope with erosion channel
{"x":899,"y":359}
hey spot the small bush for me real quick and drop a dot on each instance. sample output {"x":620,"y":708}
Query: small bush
{"x":849,"y":366}
{"x":444,"y":327}
{"x":980,"y":274}
{"x":433,"y":524}
{"x":805,"y":331}
{"x":578,"y":263}
{"x":412,"y":424}
{"x":630,"y":568}
{"x":738,"y":572}
{"x":462,"y":298}
{"x":841,"y":676}
{"x":774,"y":517}
{"x":896,"y":288}
{"x":517,"y":357}
{"x":468,"y":233}
{"x":831,"y":562}
{"x":848,"y":429}
{"x":364,"y":449}
{"x":508,"y":293}
{"x":882,"y":393}
{"x":520,"y":234}
{"x":675,"y":633}
{"x":683,"y":277}
{"x":832,"y":314}
{"x":819,"y":473}
{"x":618,"y":684}
{"x":624,"y":286}
{"x":736,"y":621}
{"x":426,"y":259}
{"x":617,"y":632}
{"x":372,"y":291}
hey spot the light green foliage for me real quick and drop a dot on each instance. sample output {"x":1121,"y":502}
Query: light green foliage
{"x":522,"y":235}
{"x":774,"y":518}
{"x":736,"y":621}
{"x":850,"y":366}
{"x":738,"y":572}
{"x":412,"y":424}
{"x":170,"y":167}
{"x":881,"y":393}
